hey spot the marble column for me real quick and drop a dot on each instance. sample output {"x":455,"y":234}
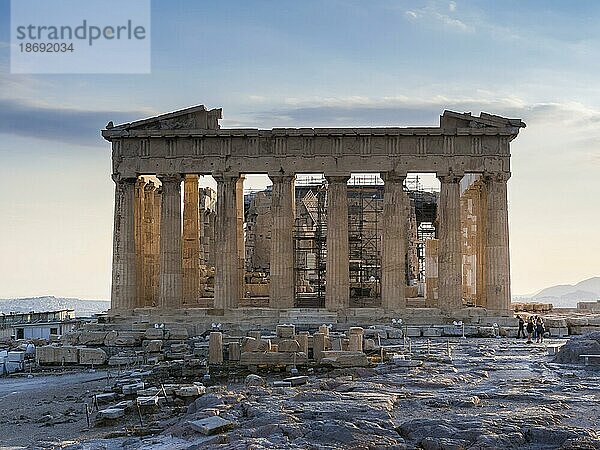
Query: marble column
{"x":150,"y":245}
{"x":241,"y":246}
{"x":170,"y":275}
{"x":156,"y":247}
{"x":337,"y":278}
{"x":227,"y":279}
{"x":393,"y":257}
{"x":450,"y":243}
{"x":497,"y":259}
{"x":124,"y":270}
{"x":138,"y":211}
{"x":281,"y":265}
{"x":191,"y":240}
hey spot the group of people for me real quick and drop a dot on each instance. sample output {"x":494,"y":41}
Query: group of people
{"x":535,"y":329}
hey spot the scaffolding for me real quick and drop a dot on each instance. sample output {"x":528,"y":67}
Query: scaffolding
{"x":310,"y":244}
{"x":365,"y":204}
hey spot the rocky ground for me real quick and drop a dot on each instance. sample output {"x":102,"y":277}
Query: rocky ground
{"x":491,"y":394}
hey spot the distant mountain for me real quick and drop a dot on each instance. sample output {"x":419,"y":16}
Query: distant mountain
{"x":567,"y":295}
{"x":50,"y":303}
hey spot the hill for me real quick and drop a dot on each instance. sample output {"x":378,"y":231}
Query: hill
{"x":51,"y":303}
{"x":567,"y":295}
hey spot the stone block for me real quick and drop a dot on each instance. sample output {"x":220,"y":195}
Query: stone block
{"x":70,"y":338}
{"x":176,"y":334}
{"x":91,"y":338}
{"x":302,"y":339}
{"x":254,"y":380}
{"x":234,"y":351}
{"x":110,"y":338}
{"x":356,"y":330}
{"x":67,"y":354}
{"x":486,"y":332}
{"x":555,"y":322}
{"x":128,"y":339}
{"x":147,"y":402}
{"x":152,"y":345}
{"x":344,"y":359}
{"x":431,"y":332}
{"x":190,"y":391}
{"x":92,"y":356}
{"x":180,"y":348}
{"x":414,"y":331}
{"x":211,"y":425}
{"x":282,"y":384}
{"x":286,"y":331}
{"x":15,"y":356}
{"x":154,"y":333}
{"x":215,"y":348}
{"x":105,"y":398}
{"x":559,"y":332}
{"x":370,"y":344}
{"x":356,"y":343}
{"x":46,"y":354}
{"x":256,"y":345}
{"x":255,"y":334}
{"x":577,"y":321}
{"x":271,"y":359}
{"x":111,"y":413}
{"x":298,"y":380}
{"x":288,"y":346}
{"x":130,"y":389}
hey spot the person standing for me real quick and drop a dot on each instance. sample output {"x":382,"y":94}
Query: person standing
{"x":521,"y":332}
{"x":539,"y":326}
{"x":530,"y":328}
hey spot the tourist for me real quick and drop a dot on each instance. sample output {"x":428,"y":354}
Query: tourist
{"x":534,"y":320}
{"x":530,"y":328}
{"x":521,"y":332}
{"x":539,"y":327}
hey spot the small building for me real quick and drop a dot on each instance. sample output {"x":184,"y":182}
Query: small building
{"x":38,"y":325}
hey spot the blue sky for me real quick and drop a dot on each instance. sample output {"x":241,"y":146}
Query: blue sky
{"x":312,"y":63}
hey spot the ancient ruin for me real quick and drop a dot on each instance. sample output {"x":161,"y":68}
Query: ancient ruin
{"x":331,"y":251}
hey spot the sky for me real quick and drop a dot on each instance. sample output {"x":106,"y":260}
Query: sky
{"x":313,"y":63}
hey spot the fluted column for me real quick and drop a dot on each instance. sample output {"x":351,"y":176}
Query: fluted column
{"x":138,"y":211}
{"x":281,"y":265}
{"x":124,"y":270}
{"x":337,"y":290}
{"x":191,"y":240}
{"x":227,"y":279}
{"x":150,"y":244}
{"x":450,"y":243}
{"x":241,"y":246}
{"x":393,"y":259}
{"x":170,"y":272}
{"x":497,"y":259}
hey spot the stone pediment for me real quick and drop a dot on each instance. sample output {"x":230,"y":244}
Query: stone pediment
{"x":193,"y":118}
{"x":451,"y":119}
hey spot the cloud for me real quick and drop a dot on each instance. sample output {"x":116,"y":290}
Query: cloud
{"x":433,"y":15}
{"x":82,"y":127}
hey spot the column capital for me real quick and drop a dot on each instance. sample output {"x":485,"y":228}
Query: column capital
{"x":449,"y":176}
{"x":499,"y":177}
{"x":222,"y":176}
{"x":281,"y":177}
{"x":393,"y":177}
{"x":170,"y":177}
{"x":337,"y":178}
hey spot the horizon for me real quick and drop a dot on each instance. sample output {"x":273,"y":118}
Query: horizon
{"x":293,"y":65}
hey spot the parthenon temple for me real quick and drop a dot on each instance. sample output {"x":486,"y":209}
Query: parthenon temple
{"x":346,"y":230}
